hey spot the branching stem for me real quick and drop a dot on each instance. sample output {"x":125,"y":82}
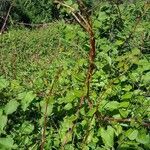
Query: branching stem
{"x":5,"y":20}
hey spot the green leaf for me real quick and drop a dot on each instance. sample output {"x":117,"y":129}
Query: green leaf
{"x":3,"y":122}
{"x":146,"y":78}
{"x":81,"y":34}
{"x":69,"y":147}
{"x":15,"y":85}
{"x":26,"y":98}
{"x":103,"y":104}
{"x":107,"y":136}
{"x":124,"y":112}
{"x":68,"y":106}
{"x":27,"y":127}
{"x":7,"y":143}
{"x":75,"y":6}
{"x":127,"y":87}
{"x":143,"y":138}
{"x":133,"y":135}
{"x":127,"y":95}
{"x":119,"y":42}
{"x":97,"y":23}
{"x":72,"y":118}
{"x":49,"y":106}
{"x":112,"y":105}
{"x":123,"y":78}
{"x":91,"y":111}
{"x":140,"y":29}
{"x":90,"y":136}
{"x":71,"y":95}
{"x":102,"y":16}
{"x":69,"y":2}
{"x":143,"y":65}
{"x":118,"y":129}
{"x":136,"y":51}
{"x":3,"y":83}
{"x":82,"y":111}
{"x":11,"y":107}
{"x":105,"y":48}
{"x":124,"y":104}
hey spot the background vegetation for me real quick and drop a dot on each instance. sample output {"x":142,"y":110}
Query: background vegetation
{"x":43,"y":71}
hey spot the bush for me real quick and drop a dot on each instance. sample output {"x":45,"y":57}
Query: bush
{"x":42,"y":83}
{"x":28,"y":12}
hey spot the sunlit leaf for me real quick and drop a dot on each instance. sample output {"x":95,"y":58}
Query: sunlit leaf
{"x":26,"y":98}
{"x":112,"y":105}
{"x":3,"y":83}
{"x":107,"y":136}
{"x":133,"y":135}
{"x":7,"y":143}
{"x":11,"y":107}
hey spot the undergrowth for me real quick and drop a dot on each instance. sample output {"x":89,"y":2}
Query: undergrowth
{"x":42,"y":81}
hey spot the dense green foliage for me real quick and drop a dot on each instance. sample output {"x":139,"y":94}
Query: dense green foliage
{"x":28,"y":11}
{"x":49,"y":66}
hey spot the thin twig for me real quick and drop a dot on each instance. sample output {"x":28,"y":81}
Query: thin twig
{"x":5,"y":21}
{"x":33,"y":24}
{"x":126,"y":120}
{"x":46,"y":108}
{"x":86,"y":24}
{"x":111,"y":82}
